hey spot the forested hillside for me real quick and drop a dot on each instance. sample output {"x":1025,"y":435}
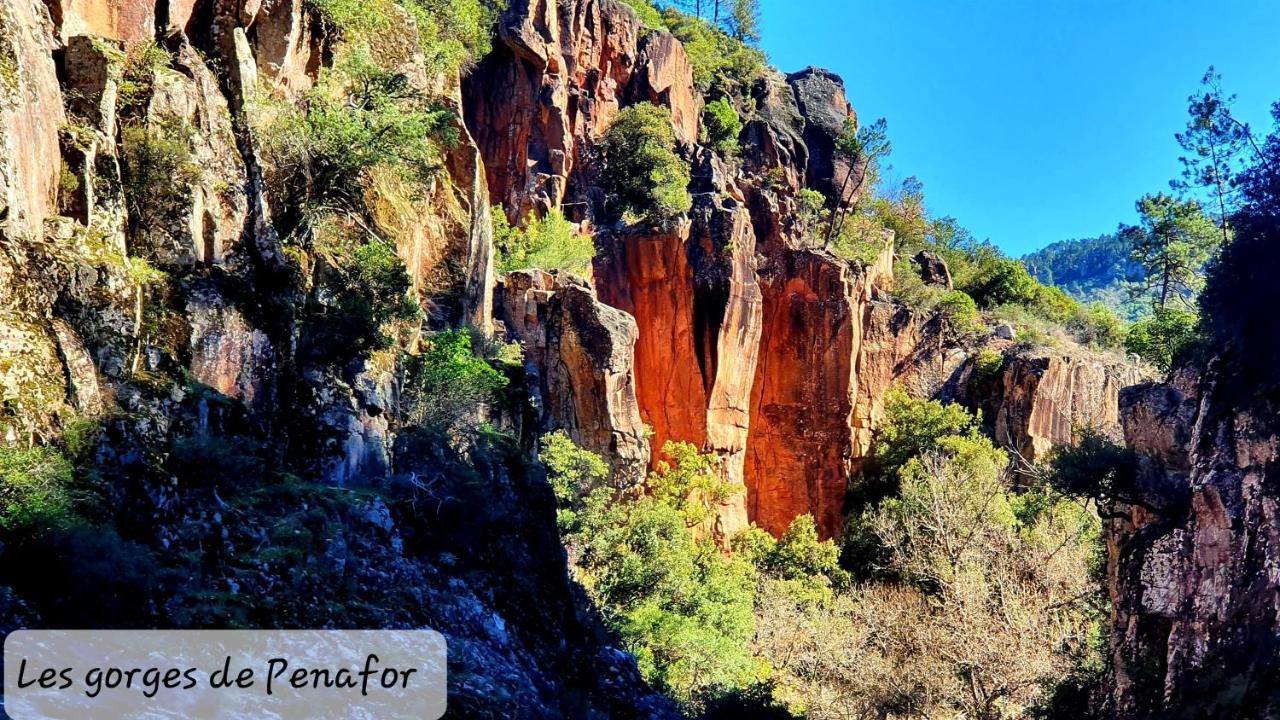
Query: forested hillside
{"x":1091,"y":270}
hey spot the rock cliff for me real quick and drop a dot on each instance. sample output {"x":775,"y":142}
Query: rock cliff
{"x":1193,"y":560}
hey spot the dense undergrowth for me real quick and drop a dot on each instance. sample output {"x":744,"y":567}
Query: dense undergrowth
{"x":961,"y":589}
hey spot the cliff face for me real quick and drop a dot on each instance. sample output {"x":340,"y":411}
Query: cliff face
{"x":1044,"y":398}
{"x":1195,"y":562}
{"x":750,"y":341}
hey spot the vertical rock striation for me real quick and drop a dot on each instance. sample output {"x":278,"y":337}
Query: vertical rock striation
{"x":1194,"y":560}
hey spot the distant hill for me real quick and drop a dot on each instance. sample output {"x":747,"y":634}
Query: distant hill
{"x":1091,"y":270}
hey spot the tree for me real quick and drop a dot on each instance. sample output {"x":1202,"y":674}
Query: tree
{"x":1215,"y":142}
{"x":640,"y":168}
{"x":744,"y":21}
{"x":862,"y":149}
{"x":1173,"y":243}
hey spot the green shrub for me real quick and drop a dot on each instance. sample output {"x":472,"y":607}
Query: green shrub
{"x":548,"y":243}
{"x":722,"y":65}
{"x":722,"y":126}
{"x":574,"y":473}
{"x":912,"y":427}
{"x":1097,"y":325}
{"x":368,"y":289}
{"x":1094,"y":467}
{"x":1002,"y":281}
{"x":446,"y":384}
{"x":221,"y":462}
{"x":681,"y":606}
{"x":34,"y":488}
{"x":450,"y":33}
{"x":1163,"y":337}
{"x":157,"y":168}
{"x":960,"y":312}
{"x":987,"y":365}
{"x":357,"y":117}
{"x":641,"y":170}
{"x":650,"y":16}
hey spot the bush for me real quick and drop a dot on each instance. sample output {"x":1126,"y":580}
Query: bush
{"x":1163,"y":337}
{"x":1002,"y":281}
{"x":649,"y":15}
{"x":683,"y":608}
{"x":157,"y":168}
{"x":367,"y":289}
{"x":445,"y":385}
{"x":450,"y":33}
{"x":1095,"y":467}
{"x":641,"y":171}
{"x":1097,"y":325}
{"x":960,"y":312}
{"x":548,"y":243}
{"x":574,"y":473}
{"x":34,"y":488}
{"x":721,"y":64}
{"x":721,"y":124}
{"x":357,"y":116}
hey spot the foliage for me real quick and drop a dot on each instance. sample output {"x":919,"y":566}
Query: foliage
{"x":1002,"y":281}
{"x":981,"y":599}
{"x":722,"y":65}
{"x":1095,"y":467}
{"x":1241,"y":295}
{"x":367,"y":291}
{"x":450,"y":33}
{"x":797,"y":556}
{"x":1173,"y":243}
{"x":574,"y":474}
{"x":861,"y":149}
{"x":743,"y":21}
{"x":157,"y":168}
{"x":649,"y":15}
{"x":682,"y":607}
{"x":912,"y":427}
{"x":722,"y":126}
{"x":987,"y":365}
{"x":447,"y":382}
{"x":640,"y":168}
{"x":1215,"y":144}
{"x":960,"y":312}
{"x":547,"y":243}
{"x":1091,"y":270}
{"x":357,"y":117}
{"x":1163,"y":337}
{"x":34,"y":487}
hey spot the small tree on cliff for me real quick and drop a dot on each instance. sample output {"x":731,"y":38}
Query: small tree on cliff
{"x":641,"y":171}
{"x":862,"y":149}
{"x":1173,"y":243}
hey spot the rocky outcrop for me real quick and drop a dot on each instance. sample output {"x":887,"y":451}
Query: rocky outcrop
{"x":1194,"y":560}
{"x":933,"y":269}
{"x":821,"y":101}
{"x":1046,"y":397}
{"x":695,"y":296}
{"x":580,"y":354}
{"x":559,"y":75}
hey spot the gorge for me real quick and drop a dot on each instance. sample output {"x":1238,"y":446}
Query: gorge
{"x":207,"y":351}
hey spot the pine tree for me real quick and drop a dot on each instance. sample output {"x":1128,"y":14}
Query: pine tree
{"x":1215,"y":143}
{"x":1173,"y":244}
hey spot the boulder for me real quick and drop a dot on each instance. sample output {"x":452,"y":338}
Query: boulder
{"x":933,"y":269}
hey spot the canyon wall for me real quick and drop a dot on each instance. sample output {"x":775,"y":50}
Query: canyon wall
{"x":1194,"y":559}
{"x":751,"y":341}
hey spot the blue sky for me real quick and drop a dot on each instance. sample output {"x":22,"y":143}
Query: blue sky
{"x":1033,"y":120}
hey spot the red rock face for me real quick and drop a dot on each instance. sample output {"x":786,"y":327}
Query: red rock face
{"x":130,"y":21}
{"x":559,"y":75}
{"x":696,"y":302}
{"x":799,"y":443}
